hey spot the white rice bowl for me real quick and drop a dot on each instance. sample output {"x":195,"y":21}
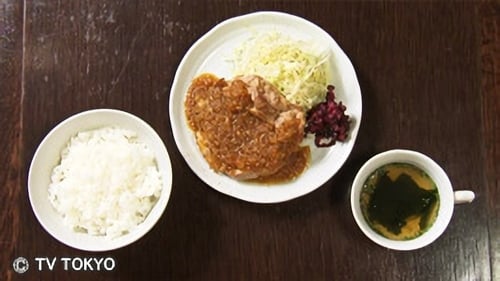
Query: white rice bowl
{"x":100,"y":180}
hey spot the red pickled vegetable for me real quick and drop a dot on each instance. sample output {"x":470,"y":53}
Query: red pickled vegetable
{"x":327,"y":121}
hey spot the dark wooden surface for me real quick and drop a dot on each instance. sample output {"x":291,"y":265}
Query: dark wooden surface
{"x":429,"y":74}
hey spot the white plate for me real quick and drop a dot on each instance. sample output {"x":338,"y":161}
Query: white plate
{"x":211,"y":53}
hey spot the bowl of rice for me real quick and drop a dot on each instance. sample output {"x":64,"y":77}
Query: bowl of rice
{"x":100,"y":180}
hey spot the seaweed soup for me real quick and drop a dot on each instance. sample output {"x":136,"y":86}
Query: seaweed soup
{"x":399,"y":201}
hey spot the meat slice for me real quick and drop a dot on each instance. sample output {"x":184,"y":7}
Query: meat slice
{"x":268,"y":102}
{"x":244,"y":127}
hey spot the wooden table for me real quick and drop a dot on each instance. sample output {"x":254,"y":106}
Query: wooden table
{"x":430,"y":79}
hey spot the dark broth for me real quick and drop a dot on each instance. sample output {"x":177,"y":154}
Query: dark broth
{"x":399,"y":201}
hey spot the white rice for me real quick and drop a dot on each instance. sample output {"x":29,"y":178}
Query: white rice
{"x":106,"y":183}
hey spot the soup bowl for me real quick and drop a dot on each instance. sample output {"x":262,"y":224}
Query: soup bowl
{"x":447,"y":197}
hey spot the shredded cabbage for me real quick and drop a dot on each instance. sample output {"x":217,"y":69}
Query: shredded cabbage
{"x":295,"y":67}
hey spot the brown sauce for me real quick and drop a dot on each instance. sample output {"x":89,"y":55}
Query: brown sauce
{"x":243,"y":136}
{"x":296,"y":164}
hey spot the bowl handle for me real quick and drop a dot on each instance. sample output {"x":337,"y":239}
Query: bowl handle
{"x":463,"y":196}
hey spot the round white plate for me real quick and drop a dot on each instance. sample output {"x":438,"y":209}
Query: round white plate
{"x":211,"y":53}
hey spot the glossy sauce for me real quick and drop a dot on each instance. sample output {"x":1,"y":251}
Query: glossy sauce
{"x":243,"y":137}
{"x":399,"y":201}
{"x":296,"y":163}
